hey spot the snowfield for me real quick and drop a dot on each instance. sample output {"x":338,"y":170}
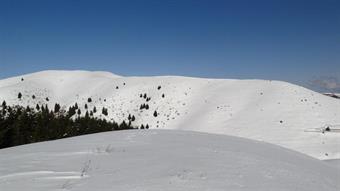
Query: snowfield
{"x":271,"y":111}
{"x":156,"y":160}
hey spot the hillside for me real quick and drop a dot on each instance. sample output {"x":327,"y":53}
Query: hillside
{"x":161,"y":160}
{"x":271,"y":111}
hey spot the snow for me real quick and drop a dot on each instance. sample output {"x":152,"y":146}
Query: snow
{"x":161,"y":160}
{"x":271,"y":111}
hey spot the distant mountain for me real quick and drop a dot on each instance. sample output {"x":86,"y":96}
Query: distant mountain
{"x":272,"y":111}
{"x":333,"y":95}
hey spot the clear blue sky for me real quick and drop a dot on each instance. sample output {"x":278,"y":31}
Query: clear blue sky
{"x":291,"y":40}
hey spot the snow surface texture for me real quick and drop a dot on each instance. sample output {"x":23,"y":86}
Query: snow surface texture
{"x":272,"y":111}
{"x":156,"y":160}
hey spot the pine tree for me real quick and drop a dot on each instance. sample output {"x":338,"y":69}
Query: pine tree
{"x":33,"y":96}
{"x":155,"y":114}
{"x":79,"y":112}
{"x":163,"y":95}
{"x":142,"y":126}
{"x":133,"y":118}
{"x":147,"y":126}
{"x":4,"y":105}
{"x":89,"y":100}
{"x":37,"y":107}
{"x":56,"y":108}
{"x":85,"y":106}
{"x":94,"y":109}
{"x":19,"y":95}
{"x":104,"y":111}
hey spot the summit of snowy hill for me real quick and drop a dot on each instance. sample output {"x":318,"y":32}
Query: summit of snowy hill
{"x":271,"y":111}
{"x":161,"y":160}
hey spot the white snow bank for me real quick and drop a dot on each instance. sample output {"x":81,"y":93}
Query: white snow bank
{"x":156,"y":160}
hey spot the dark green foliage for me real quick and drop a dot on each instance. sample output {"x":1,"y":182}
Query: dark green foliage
{"x":4,"y":105}
{"x":147,"y":126}
{"x":155,"y":114}
{"x":19,"y":95}
{"x":33,"y":96}
{"x":163,"y":95}
{"x":144,"y":96}
{"x":37,"y":107}
{"x":85,"y":106}
{"x":159,"y":87}
{"x":133,"y":118}
{"x":56,"y":108}
{"x":22,"y":79}
{"x":79,"y":112}
{"x":142,"y":126}
{"x":22,"y":125}
{"x":47,"y":99}
{"x":89,"y":100}
{"x":144,"y":106}
{"x":94,"y":109}
{"x":105,"y":112}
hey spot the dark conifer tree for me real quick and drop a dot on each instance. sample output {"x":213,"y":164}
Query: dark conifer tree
{"x":4,"y":105}
{"x":56,"y":108}
{"x":155,"y":114}
{"x":19,"y":95}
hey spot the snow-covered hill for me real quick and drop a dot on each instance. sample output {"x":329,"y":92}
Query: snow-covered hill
{"x":156,"y":160}
{"x":271,"y":111}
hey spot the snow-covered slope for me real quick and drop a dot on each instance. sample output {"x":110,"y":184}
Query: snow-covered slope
{"x":156,"y":160}
{"x":271,"y":111}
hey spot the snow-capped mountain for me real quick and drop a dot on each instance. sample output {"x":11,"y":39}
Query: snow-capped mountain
{"x":156,"y":160}
{"x":272,"y":111}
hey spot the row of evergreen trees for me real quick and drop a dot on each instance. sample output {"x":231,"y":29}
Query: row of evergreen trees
{"x":20,"y":125}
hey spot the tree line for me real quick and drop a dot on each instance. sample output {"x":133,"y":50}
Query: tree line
{"x":22,"y":125}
